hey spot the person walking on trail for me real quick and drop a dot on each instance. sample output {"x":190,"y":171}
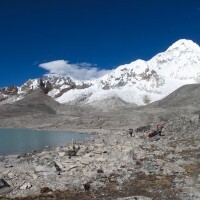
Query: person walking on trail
{"x":159,"y":129}
{"x":130,"y":131}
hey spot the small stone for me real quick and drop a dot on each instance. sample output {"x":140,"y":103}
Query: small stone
{"x":138,"y":162}
{"x":100,"y":171}
{"x":45,"y":190}
{"x":11,"y":175}
{"x":86,"y":186}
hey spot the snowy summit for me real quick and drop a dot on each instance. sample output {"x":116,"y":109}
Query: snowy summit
{"x":142,"y":82}
{"x":139,"y":82}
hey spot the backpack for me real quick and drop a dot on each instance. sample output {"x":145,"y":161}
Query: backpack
{"x":152,"y":133}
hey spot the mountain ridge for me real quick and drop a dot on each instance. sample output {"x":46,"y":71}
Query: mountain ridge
{"x":186,"y":95}
{"x":139,"y":82}
{"x":153,"y":79}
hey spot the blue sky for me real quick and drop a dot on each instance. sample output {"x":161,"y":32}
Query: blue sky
{"x":88,"y":37}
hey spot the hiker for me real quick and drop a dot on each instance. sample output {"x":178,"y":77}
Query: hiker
{"x":157,"y":132}
{"x":159,"y":129}
{"x":130,"y":131}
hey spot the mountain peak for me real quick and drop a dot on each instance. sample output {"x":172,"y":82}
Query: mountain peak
{"x":184,"y":44}
{"x":139,"y":82}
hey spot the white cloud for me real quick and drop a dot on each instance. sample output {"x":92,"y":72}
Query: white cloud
{"x":80,"y":71}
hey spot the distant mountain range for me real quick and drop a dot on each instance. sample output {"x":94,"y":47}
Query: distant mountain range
{"x":140,"y":82}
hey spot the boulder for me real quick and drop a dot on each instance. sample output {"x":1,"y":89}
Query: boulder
{"x":62,"y":153}
{"x":45,"y":170}
{"x":26,"y":186}
{"x":3,"y":183}
{"x":82,"y":151}
{"x":4,"y":187}
{"x":11,"y":175}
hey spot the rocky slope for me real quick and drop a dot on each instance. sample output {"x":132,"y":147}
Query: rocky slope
{"x":35,"y":103}
{"x":38,"y":110}
{"x":187,"y":95}
{"x":111,"y":166}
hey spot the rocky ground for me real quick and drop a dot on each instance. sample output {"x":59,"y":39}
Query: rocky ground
{"x":112,"y":165}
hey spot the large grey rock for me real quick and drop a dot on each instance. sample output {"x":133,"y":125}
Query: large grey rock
{"x":62,"y":153}
{"x":45,"y":170}
{"x":26,"y":186}
{"x":4,"y":187}
{"x":3,"y":183}
{"x":11,"y":175}
{"x":83,"y":150}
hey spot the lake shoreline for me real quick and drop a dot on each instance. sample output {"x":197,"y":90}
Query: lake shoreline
{"x":110,"y":166}
{"x":21,"y":141}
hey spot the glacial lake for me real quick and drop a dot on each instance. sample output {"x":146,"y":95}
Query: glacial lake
{"x":16,"y":141}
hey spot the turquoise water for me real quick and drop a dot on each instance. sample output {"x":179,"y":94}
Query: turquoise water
{"x":15,"y":141}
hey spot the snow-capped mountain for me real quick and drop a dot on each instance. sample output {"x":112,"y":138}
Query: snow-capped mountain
{"x":142,"y":81}
{"x":139,"y":82}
